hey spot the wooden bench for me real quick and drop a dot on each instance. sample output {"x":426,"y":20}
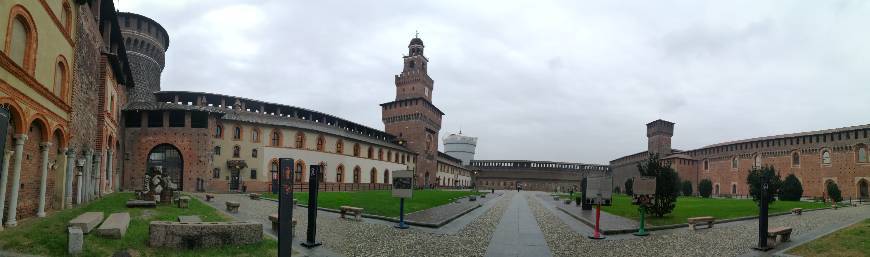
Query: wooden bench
{"x":233,"y":206}
{"x":254,"y":196}
{"x":797,"y":211}
{"x":208,"y":197}
{"x":275,"y":225}
{"x":784,"y":233}
{"x":350,"y":209}
{"x":700,"y":220}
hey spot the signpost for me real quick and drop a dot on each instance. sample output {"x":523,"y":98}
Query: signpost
{"x":600,"y":190}
{"x":285,"y":207}
{"x":644,"y":195}
{"x":313,"y":184}
{"x":402,"y":188}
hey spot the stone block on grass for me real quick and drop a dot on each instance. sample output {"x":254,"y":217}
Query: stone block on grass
{"x":164,"y":234}
{"x":191,"y":218}
{"x":141,"y":204}
{"x":76,"y":241}
{"x":87,"y":221}
{"x":115,"y":226}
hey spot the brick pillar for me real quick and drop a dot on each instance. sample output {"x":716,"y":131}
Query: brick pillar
{"x":43,"y":153}
{"x":4,"y":176}
{"x":70,"y":167}
{"x":16,"y":179}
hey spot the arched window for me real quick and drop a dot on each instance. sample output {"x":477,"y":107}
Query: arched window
{"x":826,"y":157}
{"x":276,"y":138}
{"x":218,"y":131}
{"x":320,"y":143}
{"x":254,"y":153}
{"x":386,"y":176}
{"x":255,"y":135}
{"x":733,"y":189}
{"x":381,"y":154}
{"x":321,"y":177}
{"x":300,"y":140}
{"x":734,"y":162}
{"x":339,"y":147}
{"x":339,"y":173}
{"x":216,"y":173}
{"x":356,"y":174}
{"x":299,"y":173}
{"x":60,"y":78}
{"x":274,"y":169}
{"x":428,"y":142}
{"x":236,"y":151}
{"x":795,"y":159}
{"x":373,"y":175}
{"x":389,"y":155}
{"x":396,"y":157}
{"x":862,"y":154}
{"x":371,"y":153}
{"x":758,"y":160}
{"x":237,"y":133}
{"x":21,"y":40}
{"x":356,"y":149}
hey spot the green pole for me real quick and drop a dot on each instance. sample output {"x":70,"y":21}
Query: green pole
{"x":641,"y":231}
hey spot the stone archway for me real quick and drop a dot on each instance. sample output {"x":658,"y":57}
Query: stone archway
{"x":167,"y":159}
{"x":862,"y":189}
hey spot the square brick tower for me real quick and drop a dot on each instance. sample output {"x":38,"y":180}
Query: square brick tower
{"x":659,"y":133}
{"x":412,"y":117}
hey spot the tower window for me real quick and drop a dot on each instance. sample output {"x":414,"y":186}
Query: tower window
{"x":411,"y":64}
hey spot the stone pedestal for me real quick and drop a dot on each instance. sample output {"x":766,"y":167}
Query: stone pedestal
{"x":76,"y":240}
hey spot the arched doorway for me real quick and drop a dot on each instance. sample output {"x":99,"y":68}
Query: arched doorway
{"x":167,"y":159}
{"x":716,"y":190}
{"x":862,"y":189}
{"x":373,"y":176}
{"x":386,"y":176}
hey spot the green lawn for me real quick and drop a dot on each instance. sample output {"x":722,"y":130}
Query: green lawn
{"x":48,"y":236}
{"x":380,"y":202}
{"x":851,"y":241}
{"x":688,"y":207}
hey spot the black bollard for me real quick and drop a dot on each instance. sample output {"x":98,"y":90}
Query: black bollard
{"x":285,"y":207}
{"x":762,"y":219}
{"x":312,"y":207}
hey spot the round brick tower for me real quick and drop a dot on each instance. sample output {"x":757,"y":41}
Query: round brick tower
{"x":146,"y":43}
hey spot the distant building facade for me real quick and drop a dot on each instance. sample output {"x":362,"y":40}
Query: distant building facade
{"x":533,"y":175}
{"x":816,"y":158}
{"x":460,"y":147}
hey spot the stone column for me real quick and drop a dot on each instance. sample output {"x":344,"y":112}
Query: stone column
{"x":109,"y":171}
{"x":70,"y":168}
{"x":4,"y":176}
{"x":43,"y":153}
{"x":16,"y":179}
{"x":86,"y":176}
{"x":97,"y":179}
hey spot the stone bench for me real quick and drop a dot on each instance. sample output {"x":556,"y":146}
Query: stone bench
{"x":783,"y":233}
{"x":233,"y":206}
{"x":87,"y":221}
{"x":472,"y":198}
{"x":141,"y":204}
{"x":254,"y":196}
{"x":797,"y":211}
{"x":190,"y":218}
{"x":183,"y":201}
{"x":275,"y":224}
{"x":700,"y":220}
{"x":115,"y":226}
{"x":208,"y":197}
{"x":357,"y":212}
{"x":203,"y":234}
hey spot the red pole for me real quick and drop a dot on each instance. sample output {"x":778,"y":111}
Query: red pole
{"x":597,"y":219}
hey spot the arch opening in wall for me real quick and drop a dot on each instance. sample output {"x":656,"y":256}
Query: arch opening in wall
{"x":167,"y":159}
{"x":339,"y":173}
{"x":299,"y":172}
{"x":356,"y":174}
{"x":863,"y":192}
{"x":386,"y":176}
{"x":373,"y":176}
{"x":795,"y":159}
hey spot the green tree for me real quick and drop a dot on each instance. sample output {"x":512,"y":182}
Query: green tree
{"x":687,"y":188}
{"x":705,"y":188}
{"x":616,"y":190}
{"x":834,"y":192}
{"x":667,"y":185}
{"x":629,"y":190}
{"x":791,"y":190}
{"x":756,"y":178}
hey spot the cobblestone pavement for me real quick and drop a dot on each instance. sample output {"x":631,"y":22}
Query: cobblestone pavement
{"x":517,"y":234}
{"x":374,"y":237}
{"x":732,"y":239}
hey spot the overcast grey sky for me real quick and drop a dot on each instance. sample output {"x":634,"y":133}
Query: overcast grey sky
{"x":540,"y":80}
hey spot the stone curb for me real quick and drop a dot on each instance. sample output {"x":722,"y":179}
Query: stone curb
{"x":672,"y":226}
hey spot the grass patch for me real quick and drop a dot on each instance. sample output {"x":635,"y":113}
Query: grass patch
{"x":688,"y":207}
{"x":48,"y":236}
{"x":851,"y":241}
{"x":380,"y":202}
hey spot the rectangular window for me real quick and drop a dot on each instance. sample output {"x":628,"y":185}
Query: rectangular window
{"x":216,"y":173}
{"x":199,"y":120}
{"x":155,"y":119}
{"x":217,"y":150}
{"x":253,"y":174}
{"x":133,"y":119}
{"x":176,"y":119}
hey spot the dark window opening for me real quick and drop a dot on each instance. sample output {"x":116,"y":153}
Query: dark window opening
{"x":133,"y":119}
{"x":199,"y":120}
{"x":155,"y":119}
{"x":253,"y":174}
{"x":176,"y":119}
{"x":216,"y":173}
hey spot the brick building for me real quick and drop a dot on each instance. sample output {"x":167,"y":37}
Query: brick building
{"x":533,"y":175}
{"x":816,"y":158}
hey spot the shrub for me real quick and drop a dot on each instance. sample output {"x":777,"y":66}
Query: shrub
{"x":687,"y":188}
{"x":667,"y":185}
{"x":616,"y":190}
{"x":629,"y":184}
{"x":834,"y":192}
{"x":792,"y":190}
{"x":705,"y":188}
{"x":756,"y":178}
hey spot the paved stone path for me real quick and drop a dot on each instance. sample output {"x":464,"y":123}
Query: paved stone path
{"x":447,"y":212}
{"x":518,"y":234}
{"x":608,"y":221}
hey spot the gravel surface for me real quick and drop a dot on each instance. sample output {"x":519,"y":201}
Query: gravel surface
{"x":723,"y":240}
